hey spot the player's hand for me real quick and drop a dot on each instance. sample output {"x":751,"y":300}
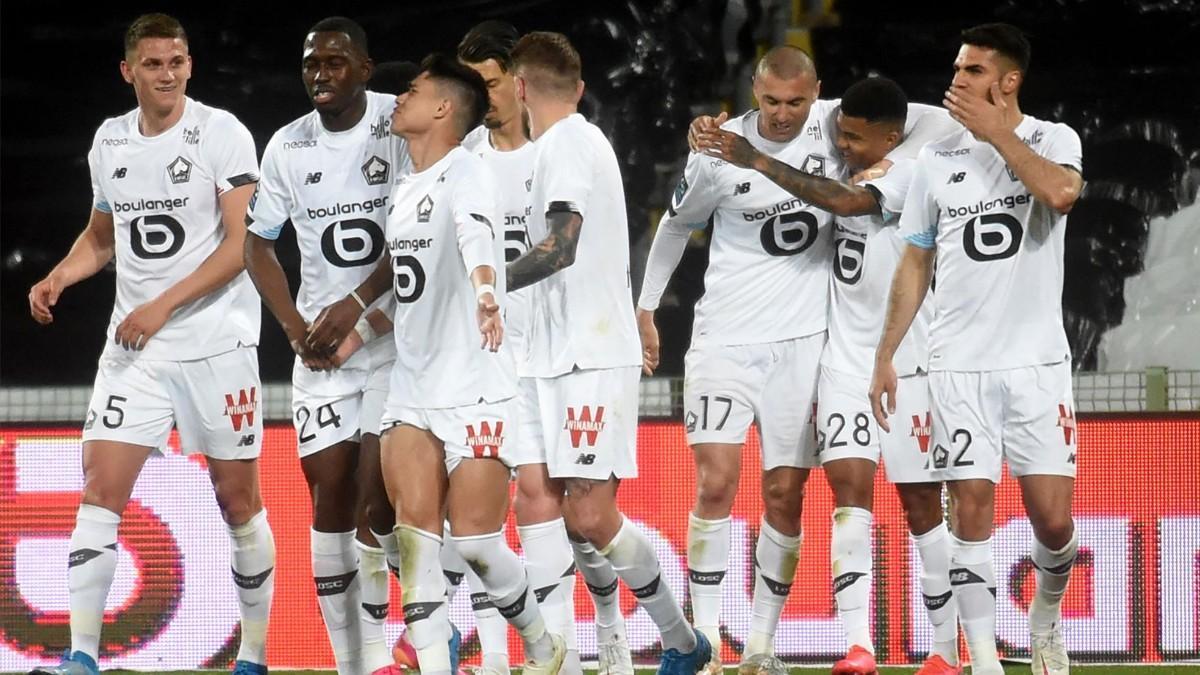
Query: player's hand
{"x":312,"y":360}
{"x":649,"y":334}
{"x":883,"y":382}
{"x":986,"y":119}
{"x":332,"y":326}
{"x":43,"y":296}
{"x":701,"y":124}
{"x":874,"y":172}
{"x":351,"y":344}
{"x":141,"y":324}
{"x":727,"y":146}
{"x":491,"y":327}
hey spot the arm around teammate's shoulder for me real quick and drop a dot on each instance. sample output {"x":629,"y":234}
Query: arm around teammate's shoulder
{"x":92,"y":250}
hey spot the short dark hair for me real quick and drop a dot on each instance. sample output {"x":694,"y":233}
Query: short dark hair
{"x":153,"y":26}
{"x":492,"y":39}
{"x":1005,"y":38}
{"x":466,"y":87}
{"x":341,"y":24}
{"x":552,"y":62}
{"x":876,"y":99}
{"x":393,"y":77}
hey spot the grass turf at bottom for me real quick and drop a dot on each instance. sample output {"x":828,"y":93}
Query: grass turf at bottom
{"x":1167,"y":669}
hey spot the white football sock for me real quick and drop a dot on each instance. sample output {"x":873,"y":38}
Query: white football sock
{"x":708,"y":559}
{"x":1053,"y":569}
{"x":453,"y":565}
{"x":373,"y":610}
{"x":601,"y":582}
{"x":775,"y":556}
{"x":850,"y":548}
{"x":934,"y":549}
{"x":423,"y":593}
{"x":490,"y":627}
{"x":91,"y":565}
{"x":633,"y":559}
{"x":335,"y":575}
{"x":551,"y":567}
{"x":973,"y":580}
{"x":254,"y":576}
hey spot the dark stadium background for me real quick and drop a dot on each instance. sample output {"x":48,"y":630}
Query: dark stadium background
{"x":1124,"y":74}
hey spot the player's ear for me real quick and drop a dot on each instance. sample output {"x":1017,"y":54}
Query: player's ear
{"x":1010,"y":82}
{"x":126,"y":72}
{"x":817,"y":91}
{"x":368,"y":69}
{"x":579,"y":91}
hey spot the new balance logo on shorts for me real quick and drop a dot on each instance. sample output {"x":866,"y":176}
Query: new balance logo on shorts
{"x":246,"y":441}
{"x":487,"y":442}
{"x":1066,"y":420}
{"x":242,"y":412}
{"x":582,"y":423}
{"x":922,"y":432}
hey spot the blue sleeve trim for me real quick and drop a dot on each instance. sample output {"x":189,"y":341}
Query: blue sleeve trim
{"x":926,"y":239}
{"x":102,"y":206}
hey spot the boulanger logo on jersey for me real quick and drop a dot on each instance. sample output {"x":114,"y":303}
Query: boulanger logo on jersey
{"x":179,"y":170}
{"x":376,"y":171}
{"x":786,"y":229}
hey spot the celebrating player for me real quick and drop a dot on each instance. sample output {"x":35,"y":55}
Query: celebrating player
{"x":989,"y":203}
{"x":171,"y":180}
{"x":870,"y":124}
{"x":582,"y":347}
{"x":330,"y":173}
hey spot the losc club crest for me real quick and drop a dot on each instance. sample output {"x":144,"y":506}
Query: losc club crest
{"x":376,"y":171}
{"x":179,"y":171}
{"x":814,"y":165}
{"x":424,"y":209}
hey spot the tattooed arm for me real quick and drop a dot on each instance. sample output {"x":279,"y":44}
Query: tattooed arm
{"x":554,"y":253}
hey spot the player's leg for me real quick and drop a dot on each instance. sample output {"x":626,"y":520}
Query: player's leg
{"x":594,"y":448}
{"x":719,"y":385}
{"x":848,"y":444}
{"x":327,"y":427}
{"x":415,"y":474}
{"x":537,"y":504}
{"x":1040,"y":444}
{"x":786,"y":411}
{"x":906,"y":458}
{"x":967,"y":419}
{"x":490,"y":627}
{"x":478,"y":503}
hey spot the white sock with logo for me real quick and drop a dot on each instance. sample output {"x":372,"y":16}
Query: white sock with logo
{"x":254,"y":577}
{"x":373,"y":610}
{"x":708,"y":560}
{"x":601,"y":583}
{"x":850,"y":547}
{"x":551,"y":568}
{"x":775,"y":555}
{"x":934,"y":549}
{"x":633,"y":559}
{"x":423,"y":594}
{"x":490,"y":627}
{"x":335,"y":575}
{"x":91,"y":565}
{"x":973,"y":580}
{"x":1053,"y":569}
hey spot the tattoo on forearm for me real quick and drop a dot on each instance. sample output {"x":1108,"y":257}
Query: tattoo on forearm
{"x":822,"y":192}
{"x":555,"y":252}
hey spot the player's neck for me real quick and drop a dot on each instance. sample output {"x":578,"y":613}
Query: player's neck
{"x":428,"y":149}
{"x":509,"y":136}
{"x":546,"y":115}
{"x":345,"y":119}
{"x":152,"y":122}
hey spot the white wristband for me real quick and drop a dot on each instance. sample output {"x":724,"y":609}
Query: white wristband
{"x":365,"y":331}
{"x":354,"y":294}
{"x":484,"y":288}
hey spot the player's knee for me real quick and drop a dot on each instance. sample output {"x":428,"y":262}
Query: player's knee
{"x":597,"y":525}
{"x":922,"y":506}
{"x":715,"y":491}
{"x":105,"y":497}
{"x":379,"y":514}
{"x":783,"y":493}
{"x":1053,"y":531}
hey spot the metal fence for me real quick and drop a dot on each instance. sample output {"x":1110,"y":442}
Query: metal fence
{"x":1151,"y":390}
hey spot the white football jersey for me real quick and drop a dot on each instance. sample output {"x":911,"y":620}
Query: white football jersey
{"x":768,"y":268}
{"x":335,"y":188}
{"x":440,"y":228}
{"x":866,"y":252}
{"x":999,"y":257}
{"x":164,"y":195}
{"x":511,"y":169}
{"x":582,"y":316}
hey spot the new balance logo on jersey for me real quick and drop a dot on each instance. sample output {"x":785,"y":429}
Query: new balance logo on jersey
{"x":922,"y":432}
{"x":487,"y":442}
{"x":380,"y":128}
{"x":119,"y":173}
{"x":376,"y":171}
{"x":180,"y":171}
{"x":312,"y":178}
{"x":957,"y":177}
{"x":242,"y":412}
{"x":814,"y":165}
{"x":1066,"y":420}
{"x":581,"y":422}
{"x":246,"y":441}
{"x":424,"y":209}
{"x":192,"y":136}
{"x":741,"y":188}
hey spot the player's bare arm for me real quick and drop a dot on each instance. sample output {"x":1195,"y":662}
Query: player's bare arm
{"x":1052,"y":184}
{"x":909,"y":286}
{"x":218,"y":269}
{"x":648,"y":333}
{"x":92,"y":250}
{"x":833,"y":196}
{"x":487,"y":311}
{"x":554,"y":253}
{"x":336,"y":321}
{"x":702,"y":124}
{"x":269,"y":278}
